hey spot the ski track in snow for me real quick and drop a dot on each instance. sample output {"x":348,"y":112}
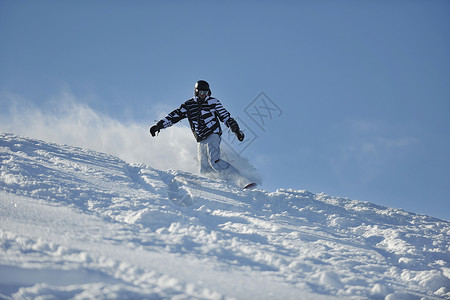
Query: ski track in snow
{"x":76,"y":223}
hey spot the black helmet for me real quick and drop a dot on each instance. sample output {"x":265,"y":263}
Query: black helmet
{"x":201,"y":85}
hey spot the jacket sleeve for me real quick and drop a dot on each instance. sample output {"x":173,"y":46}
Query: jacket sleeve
{"x":221,"y":112}
{"x":174,"y":117}
{"x":225,"y":117}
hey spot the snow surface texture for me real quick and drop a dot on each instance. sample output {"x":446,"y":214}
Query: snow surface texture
{"x":80,"y":224}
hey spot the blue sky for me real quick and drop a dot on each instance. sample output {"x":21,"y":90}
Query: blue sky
{"x":362,"y":87}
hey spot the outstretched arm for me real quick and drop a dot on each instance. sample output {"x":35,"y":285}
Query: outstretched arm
{"x":172,"y":118}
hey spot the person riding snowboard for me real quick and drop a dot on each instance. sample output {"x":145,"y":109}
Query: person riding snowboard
{"x":204,"y":113}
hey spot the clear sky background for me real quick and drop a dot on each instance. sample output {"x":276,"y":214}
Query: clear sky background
{"x":361,"y":89}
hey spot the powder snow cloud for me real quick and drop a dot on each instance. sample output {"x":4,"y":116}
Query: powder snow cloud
{"x":67,"y":120}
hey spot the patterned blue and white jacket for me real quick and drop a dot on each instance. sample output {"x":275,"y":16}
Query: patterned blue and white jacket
{"x":203,"y":116}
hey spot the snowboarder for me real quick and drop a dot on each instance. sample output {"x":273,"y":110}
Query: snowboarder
{"x":204,"y":113}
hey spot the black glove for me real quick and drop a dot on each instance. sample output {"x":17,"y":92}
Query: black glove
{"x":156,"y":128}
{"x":233,"y":125}
{"x":240,"y":135}
{"x":235,"y":128}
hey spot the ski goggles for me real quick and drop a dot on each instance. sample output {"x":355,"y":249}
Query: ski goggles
{"x":202,"y":92}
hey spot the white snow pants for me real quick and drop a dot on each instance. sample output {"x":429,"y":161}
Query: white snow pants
{"x":212,"y":165}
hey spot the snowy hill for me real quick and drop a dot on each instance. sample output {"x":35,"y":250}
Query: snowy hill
{"x":75,"y":223}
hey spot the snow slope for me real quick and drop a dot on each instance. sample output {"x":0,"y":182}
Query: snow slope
{"x":80,"y":224}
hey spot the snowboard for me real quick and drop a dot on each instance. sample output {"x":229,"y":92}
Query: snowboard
{"x":249,"y":186}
